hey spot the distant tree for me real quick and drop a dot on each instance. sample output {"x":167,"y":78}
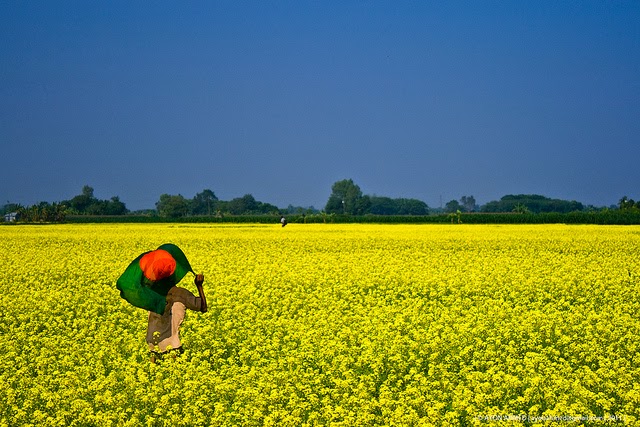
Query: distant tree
{"x":362,"y":206}
{"x":624,"y":203}
{"x":533,"y":202}
{"x":268,"y":208}
{"x":204,"y":203}
{"x":96,"y":207}
{"x":382,"y":206}
{"x":452,"y":206}
{"x":87,"y":191}
{"x":300,"y":210}
{"x":86,"y":203}
{"x":172,"y":206}
{"x":627,"y":204}
{"x":42,"y":212}
{"x":468,"y":203}
{"x":10,"y":207}
{"x":115,"y":207}
{"x":346,"y":198}
{"x":59,"y":212}
{"x":82,"y":201}
{"x":411,"y":207}
{"x":247,"y":205}
{"x":242,"y":205}
{"x":389,"y":206}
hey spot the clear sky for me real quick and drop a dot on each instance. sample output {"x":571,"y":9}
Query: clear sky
{"x":280,"y":99}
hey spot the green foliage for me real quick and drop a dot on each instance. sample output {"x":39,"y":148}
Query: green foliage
{"x":87,"y":204}
{"x":533,"y":202}
{"x":42,"y":212}
{"x":300,"y":210}
{"x":172,"y":206}
{"x":246,"y":205}
{"x":606,"y":217}
{"x":388,"y":206}
{"x":456,"y":217}
{"x":452,"y":206}
{"x":346,"y":198}
{"x":627,"y":204}
{"x":521,"y":208}
{"x":10,"y":208}
{"x":468,"y":203}
{"x":204,"y":203}
{"x":346,"y":204}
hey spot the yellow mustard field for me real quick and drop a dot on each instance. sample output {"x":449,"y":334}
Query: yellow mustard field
{"x":326,"y":324}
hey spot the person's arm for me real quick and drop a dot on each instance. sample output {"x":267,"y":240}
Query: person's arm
{"x":199,"y":280}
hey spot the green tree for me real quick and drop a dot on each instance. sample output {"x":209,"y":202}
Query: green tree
{"x":346,"y":198}
{"x":247,"y":205}
{"x":388,"y":206}
{"x":172,"y":206}
{"x":382,"y":205}
{"x":115,"y":207}
{"x":468,"y":203}
{"x":86,"y":203}
{"x":411,"y":207}
{"x":10,"y":207}
{"x":204,"y":203}
{"x":242,"y":205}
{"x":87,"y":191}
{"x":452,"y":206}
{"x":81,"y":202}
{"x":534,"y":203}
{"x":42,"y":212}
{"x":627,"y":204}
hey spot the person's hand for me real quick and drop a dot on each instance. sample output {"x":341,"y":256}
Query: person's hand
{"x":199,"y":280}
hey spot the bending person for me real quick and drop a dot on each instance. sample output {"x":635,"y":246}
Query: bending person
{"x":163,"y":331}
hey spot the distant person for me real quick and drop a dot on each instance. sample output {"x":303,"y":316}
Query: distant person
{"x":283,"y":221}
{"x":149,"y":282}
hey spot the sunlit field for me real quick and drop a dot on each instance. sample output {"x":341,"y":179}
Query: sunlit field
{"x":327,"y":324}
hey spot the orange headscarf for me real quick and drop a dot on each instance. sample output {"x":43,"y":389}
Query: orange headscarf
{"x":157,"y":265}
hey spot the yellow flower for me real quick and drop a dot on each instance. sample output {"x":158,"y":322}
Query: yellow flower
{"x":327,"y":324}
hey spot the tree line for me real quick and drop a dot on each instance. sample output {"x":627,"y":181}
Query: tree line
{"x":346,"y":199}
{"x":206,"y":203}
{"x":84,"y":203}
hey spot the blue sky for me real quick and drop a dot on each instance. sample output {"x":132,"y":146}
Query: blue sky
{"x":280,"y":99}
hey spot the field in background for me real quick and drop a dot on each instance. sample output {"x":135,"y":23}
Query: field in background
{"x":327,"y":324}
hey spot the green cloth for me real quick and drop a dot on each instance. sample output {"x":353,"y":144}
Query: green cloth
{"x":146,"y":294}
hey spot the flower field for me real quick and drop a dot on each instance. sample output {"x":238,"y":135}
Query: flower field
{"x":326,"y":324}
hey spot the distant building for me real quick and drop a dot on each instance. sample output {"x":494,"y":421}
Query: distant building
{"x":11,"y":217}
